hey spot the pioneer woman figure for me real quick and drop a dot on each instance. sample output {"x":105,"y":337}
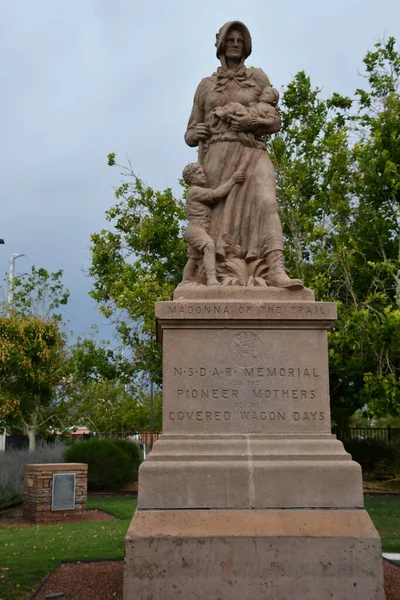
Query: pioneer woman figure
{"x":245,"y":227}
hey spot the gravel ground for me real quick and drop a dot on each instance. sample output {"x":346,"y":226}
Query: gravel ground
{"x":102,"y":580}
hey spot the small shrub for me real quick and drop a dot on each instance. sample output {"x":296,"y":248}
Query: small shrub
{"x":370,"y":454}
{"x":134,"y":453}
{"x":12,"y":470}
{"x":109,"y":467}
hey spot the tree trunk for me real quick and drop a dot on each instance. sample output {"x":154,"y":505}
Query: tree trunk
{"x":31,"y":433}
{"x":30,"y":430}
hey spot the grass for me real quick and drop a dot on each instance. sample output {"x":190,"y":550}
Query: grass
{"x":385,"y":513}
{"x":27,"y":554}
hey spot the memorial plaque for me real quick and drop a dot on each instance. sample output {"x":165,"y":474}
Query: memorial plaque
{"x":63,"y":496}
{"x":246,"y":381}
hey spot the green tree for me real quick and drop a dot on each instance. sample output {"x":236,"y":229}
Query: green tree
{"x":313,"y":170}
{"x":103,"y":391}
{"x":101,"y":406}
{"x":137,"y":263}
{"x":39,"y":293}
{"x":147,"y":414}
{"x":33,"y":355}
{"x":31,"y":368}
{"x":109,"y":407}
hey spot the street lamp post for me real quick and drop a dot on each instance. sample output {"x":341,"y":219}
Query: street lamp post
{"x":11,"y":275}
{"x":151,"y":414}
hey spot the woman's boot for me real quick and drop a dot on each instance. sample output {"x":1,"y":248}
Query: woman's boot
{"x":277,"y":275}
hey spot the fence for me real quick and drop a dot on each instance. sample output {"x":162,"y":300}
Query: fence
{"x":20,"y":441}
{"x":383,"y":435}
{"x":140,"y":438}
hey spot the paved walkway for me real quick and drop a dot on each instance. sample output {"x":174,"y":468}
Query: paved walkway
{"x":394,"y":557}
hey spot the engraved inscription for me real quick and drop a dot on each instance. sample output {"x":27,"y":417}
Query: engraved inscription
{"x":317,"y":309}
{"x":247,"y":380}
{"x":275,"y":309}
{"x":249,"y":415}
{"x":231,"y":394}
{"x":263,"y":416}
{"x":280,"y":372}
{"x":309,"y":416}
{"x":199,"y":310}
{"x":206,"y":394}
{"x":199,"y":415}
{"x":284,"y":394}
{"x":264,"y":310}
{"x":281,"y":416}
{"x":203,"y":372}
{"x":247,"y":371}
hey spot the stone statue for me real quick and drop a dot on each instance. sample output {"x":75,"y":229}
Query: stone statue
{"x":232,"y":111}
{"x":196,"y":235}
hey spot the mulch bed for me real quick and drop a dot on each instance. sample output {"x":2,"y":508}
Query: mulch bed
{"x":99,"y":580}
{"x":102,"y":580}
{"x":391,"y":574}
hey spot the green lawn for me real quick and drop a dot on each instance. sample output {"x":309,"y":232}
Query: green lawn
{"x":385,"y":513}
{"x":27,"y":554}
{"x":30,"y":553}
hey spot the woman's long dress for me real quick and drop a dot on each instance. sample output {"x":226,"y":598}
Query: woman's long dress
{"x":248,"y":217}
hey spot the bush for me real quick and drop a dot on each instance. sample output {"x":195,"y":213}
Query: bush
{"x":134,"y":452}
{"x":370,"y":454}
{"x":109,"y":467}
{"x":12,"y":470}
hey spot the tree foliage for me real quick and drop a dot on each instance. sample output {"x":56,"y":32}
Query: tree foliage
{"x":103,"y":392}
{"x":39,"y":293}
{"x":140,"y":260}
{"x":32,"y":354}
{"x":31,"y":368}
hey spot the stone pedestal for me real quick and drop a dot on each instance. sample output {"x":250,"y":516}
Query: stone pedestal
{"x":43,"y":503}
{"x":247,"y":493}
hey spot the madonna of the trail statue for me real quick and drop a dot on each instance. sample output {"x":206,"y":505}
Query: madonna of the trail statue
{"x":232,"y":112}
{"x":246,"y":494}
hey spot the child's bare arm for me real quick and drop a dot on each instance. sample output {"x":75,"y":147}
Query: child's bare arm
{"x":208,"y":195}
{"x":223,"y":190}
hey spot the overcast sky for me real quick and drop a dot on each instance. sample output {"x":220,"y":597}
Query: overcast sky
{"x":82,"y":78}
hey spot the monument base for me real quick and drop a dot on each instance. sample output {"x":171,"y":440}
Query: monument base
{"x":253,"y":554}
{"x":249,"y":471}
{"x":247,"y":494}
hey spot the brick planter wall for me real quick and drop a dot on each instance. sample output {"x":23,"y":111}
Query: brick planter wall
{"x":37,"y":506}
